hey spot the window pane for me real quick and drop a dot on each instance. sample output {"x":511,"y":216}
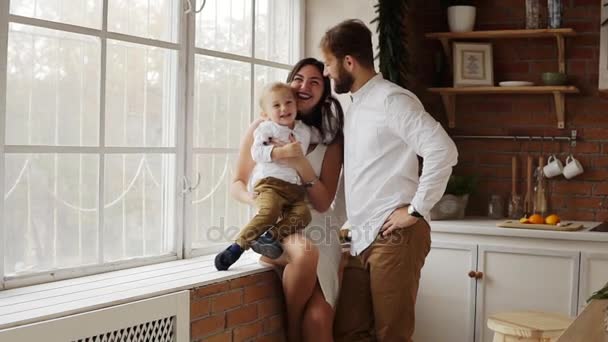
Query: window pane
{"x":51,"y":218}
{"x":265,"y":75}
{"x":155,"y":19}
{"x":140,"y":95}
{"x":222,"y":102}
{"x":275,"y":31}
{"x":139,"y":193}
{"x":225,"y":25}
{"x":217,"y":216}
{"x":53,"y":87}
{"x":75,"y":12}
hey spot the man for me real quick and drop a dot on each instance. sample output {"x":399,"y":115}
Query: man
{"x":387,"y":202}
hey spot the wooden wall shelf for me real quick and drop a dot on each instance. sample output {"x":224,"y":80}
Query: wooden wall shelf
{"x":558,"y":34}
{"x":448,"y":95}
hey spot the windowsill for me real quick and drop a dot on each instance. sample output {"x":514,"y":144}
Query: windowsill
{"x":38,"y":303}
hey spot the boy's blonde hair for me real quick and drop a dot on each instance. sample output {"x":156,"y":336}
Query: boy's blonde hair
{"x":271,"y":88}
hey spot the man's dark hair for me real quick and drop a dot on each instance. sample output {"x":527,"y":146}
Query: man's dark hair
{"x":350,"y":37}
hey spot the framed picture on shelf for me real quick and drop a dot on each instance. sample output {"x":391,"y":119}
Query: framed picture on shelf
{"x":473,"y":64}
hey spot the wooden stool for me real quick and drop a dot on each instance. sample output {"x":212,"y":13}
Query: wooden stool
{"x":528,"y":326}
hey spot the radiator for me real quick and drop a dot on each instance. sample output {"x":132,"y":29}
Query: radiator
{"x":159,"y":319}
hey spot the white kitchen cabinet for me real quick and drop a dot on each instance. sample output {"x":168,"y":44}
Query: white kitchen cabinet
{"x":513,"y":269}
{"x":603,"y":75}
{"x":520,"y":279}
{"x":462,"y":284}
{"x":594,"y":275}
{"x":445,"y":308}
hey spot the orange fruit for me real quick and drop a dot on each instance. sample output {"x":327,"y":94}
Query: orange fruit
{"x":536,"y":219}
{"x":552,"y":219}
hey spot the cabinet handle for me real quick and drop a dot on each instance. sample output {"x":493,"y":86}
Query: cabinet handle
{"x":478,"y":275}
{"x":472,"y":274}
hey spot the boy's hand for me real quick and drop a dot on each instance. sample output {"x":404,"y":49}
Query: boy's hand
{"x":292,"y":150}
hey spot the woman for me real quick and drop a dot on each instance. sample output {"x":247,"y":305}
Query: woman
{"x":311,"y":259}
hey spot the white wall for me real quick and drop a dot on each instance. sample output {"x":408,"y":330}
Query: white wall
{"x":323,"y":14}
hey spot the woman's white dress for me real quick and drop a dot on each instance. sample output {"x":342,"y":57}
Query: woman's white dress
{"x":323,"y":231}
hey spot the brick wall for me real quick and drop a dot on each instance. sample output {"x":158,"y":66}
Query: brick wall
{"x":584,"y":197}
{"x":243,"y":309}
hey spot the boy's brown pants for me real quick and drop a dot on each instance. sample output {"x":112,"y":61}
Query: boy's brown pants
{"x":276,"y":198}
{"x":379,"y":287}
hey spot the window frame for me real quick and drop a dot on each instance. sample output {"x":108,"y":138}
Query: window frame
{"x":192,"y":152}
{"x":184,"y":152}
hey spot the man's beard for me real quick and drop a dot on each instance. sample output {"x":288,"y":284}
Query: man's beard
{"x":344,"y":82}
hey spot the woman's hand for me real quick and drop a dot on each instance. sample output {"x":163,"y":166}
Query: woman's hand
{"x":251,"y":197}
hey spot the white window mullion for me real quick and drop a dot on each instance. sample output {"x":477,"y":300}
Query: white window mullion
{"x":4,"y":8}
{"x":55,"y":241}
{"x":102,"y":132}
{"x":252,"y":75}
{"x":188,"y":40}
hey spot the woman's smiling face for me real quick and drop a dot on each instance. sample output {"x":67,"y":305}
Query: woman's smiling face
{"x":307,"y":84}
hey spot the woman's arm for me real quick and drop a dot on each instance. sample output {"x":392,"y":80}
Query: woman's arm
{"x":323,"y":191}
{"x":244,"y":167}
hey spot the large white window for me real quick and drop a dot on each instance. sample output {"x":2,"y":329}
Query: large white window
{"x":120,"y":121}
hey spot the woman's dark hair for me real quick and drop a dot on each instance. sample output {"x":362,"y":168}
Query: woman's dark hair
{"x":327,"y":116}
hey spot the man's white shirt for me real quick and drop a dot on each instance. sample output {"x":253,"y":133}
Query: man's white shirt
{"x":385,"y":128}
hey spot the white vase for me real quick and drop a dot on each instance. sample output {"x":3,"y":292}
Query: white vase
{"x":461,"y":18}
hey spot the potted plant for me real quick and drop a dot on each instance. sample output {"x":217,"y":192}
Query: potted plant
{"x":461,"y":15}
{"x":455,"y":199}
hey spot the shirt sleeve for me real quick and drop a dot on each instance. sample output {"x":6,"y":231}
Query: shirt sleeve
{"x":421,"y":132}
{"x":261,"y":150}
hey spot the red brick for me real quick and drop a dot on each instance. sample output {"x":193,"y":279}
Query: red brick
{"x":209,"y":290}
{"x":247,"y":331}
{"x":601,"y":215}
{"x":600,"y":162}
{"x":595,"y":175}
{"x":254,"y":293}
{"x":595,"y":133}
{"x":225,"y":301}
{"x":496,"y":159}
{"x":225,"y":336}
{"x":557,"y":202}
{"x":252,"y":279}
{"x":572,"y":188}
{"x":577,"y":215}
{"x":208,"y":326}
{"x":600,"y":189}
{"x":199,"y":309}
{"x":273,"y":324}
{"x":242,"y":315}
{"x":270,"y":307}
{"x":588,"y":203}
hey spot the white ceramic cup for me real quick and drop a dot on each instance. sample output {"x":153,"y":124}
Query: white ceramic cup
{"x":554,"y":167}
{"x":573,"y":167}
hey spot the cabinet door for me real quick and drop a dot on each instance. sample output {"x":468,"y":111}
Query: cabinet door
{"x":445,"y":308}
{"x":603,"y":76}
{"x":594,"y":275}
{"x":516,"y":279}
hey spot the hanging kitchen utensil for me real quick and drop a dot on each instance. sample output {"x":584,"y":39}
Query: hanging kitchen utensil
{"x":528,"y":205}
{"x":515,"y":211}
{"x":540,"y":189}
